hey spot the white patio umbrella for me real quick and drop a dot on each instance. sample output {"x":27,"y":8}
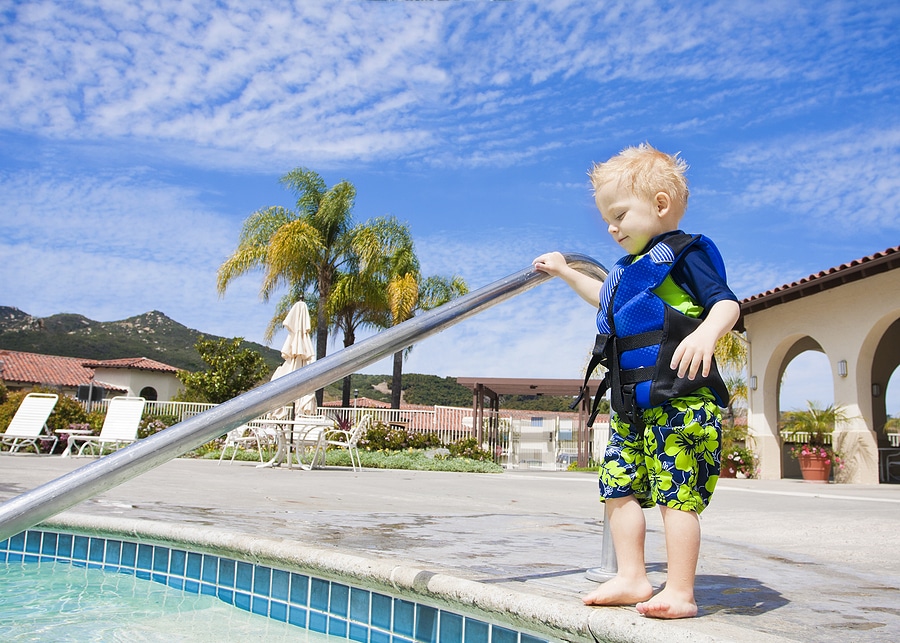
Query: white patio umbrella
{"x":297,"y":352}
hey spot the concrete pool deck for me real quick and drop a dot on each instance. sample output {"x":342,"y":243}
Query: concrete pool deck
{"x":781,"y":560}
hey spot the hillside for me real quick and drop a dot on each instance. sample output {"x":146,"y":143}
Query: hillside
{"x":156,"y":336}
{"x":152,"y":335}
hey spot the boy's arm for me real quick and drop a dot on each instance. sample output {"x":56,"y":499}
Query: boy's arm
{"x":695,"y":352}
{"x":554,"y":263}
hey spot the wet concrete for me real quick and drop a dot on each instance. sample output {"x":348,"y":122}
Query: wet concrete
{"x":780,"y":558}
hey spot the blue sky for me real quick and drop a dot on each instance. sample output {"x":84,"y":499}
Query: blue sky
{"x":135,"y":138}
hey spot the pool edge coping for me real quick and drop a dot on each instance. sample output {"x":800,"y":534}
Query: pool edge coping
{"x":532,"y":612}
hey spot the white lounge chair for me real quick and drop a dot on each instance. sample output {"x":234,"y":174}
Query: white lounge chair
{"x":243,"y":436}
{"x":29,"y":423}
{"x":120,"y":427}
{"x":348,"y":439}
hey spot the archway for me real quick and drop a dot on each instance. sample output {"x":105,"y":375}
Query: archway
{"x":149,"y":393}
{"x":805,"y":377}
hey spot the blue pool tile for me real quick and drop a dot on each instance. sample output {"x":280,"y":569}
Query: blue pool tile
{"x":161,"y":559}
{"x":80,"y":548}
{"x":403,"y":617}
{"x":144,"y":556}
{"x":299,"y":589}
{"x":194,"y":565}
{"x":64,"y":546}
{"x":262,"y":580}
{"x":260,"y":606}
{"x":278,"y":611}
{"x":14,"y":557}
{"x":503,"y":635}
{"x":113,"y":553}
{"x":226,"y":572}
{"x":359,"y":605}
{"x":143,"y":575}
{"x":297,"y":616}
{"x":281,"y":581}
{"x":242,"y":600}
{"x":177,"y":583}
{"x":451,"y":628}
{"x":191,"y":586}
{"x":96,"y":550}
{"x":337,"y":627}
{"x":33,"y":542}
{"x":379,"y":637}
{"x":426,"y":624}
{"x":358,"y":633}
{"x":225,"y":595}
{"x":48,"y":544}
{"x":528,"y":638}
{"x":318,"y":622}
{"x":401,"y":639}
{"x":476,"y":631}
{"x":207,"y":589}
{"x":340,"y":597}
{"x":318,"y":594}
{"x":381,"y":611}
{"x":129,"y":555}
{"x":177,"y":559}
{"x":244,"y":577}
{"x":210,"y":568}
{"x":17,"y":542}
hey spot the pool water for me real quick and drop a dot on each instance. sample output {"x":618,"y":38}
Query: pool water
{"x":59,"y":601}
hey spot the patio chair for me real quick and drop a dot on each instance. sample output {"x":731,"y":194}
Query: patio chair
{"x":348,"y":439}
{"x":29,"y":423}
{"x":243,"y":436}
{"x":120,"y":427}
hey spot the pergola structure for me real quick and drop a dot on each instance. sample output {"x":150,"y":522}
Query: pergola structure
{"x":491,"y":388}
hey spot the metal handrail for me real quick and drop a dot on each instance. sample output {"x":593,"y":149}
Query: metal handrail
{"x":30,"y":508}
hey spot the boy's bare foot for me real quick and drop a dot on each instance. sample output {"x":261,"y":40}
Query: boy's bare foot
{"x":668,"y":605}
{"x":620,"y":591}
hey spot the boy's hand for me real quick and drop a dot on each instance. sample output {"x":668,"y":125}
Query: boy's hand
{"x":695,"y":352}
{"x":553,"y":263}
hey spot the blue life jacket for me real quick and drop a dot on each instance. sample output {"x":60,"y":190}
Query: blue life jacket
{"x":639,"y":333}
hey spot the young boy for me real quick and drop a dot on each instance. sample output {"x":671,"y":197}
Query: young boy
{"x":662,"y":309}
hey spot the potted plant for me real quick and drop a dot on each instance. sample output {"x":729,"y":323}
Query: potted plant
{"x":811,"y":431}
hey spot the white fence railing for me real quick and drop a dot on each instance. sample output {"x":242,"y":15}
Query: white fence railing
{"x":547,"y":443}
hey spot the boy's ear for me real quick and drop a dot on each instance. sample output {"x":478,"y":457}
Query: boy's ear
{"x":663,"y":204}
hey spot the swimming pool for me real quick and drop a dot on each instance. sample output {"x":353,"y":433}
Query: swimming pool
{"x":316,"y":603}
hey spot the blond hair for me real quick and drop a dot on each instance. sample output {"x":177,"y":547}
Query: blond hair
{"x":645,"y":171}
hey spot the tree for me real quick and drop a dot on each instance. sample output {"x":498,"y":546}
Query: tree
{"x":303,"y":249}
{"x":232,"y":370}
{"x":360,"y":295}
{"x":409,"y":294}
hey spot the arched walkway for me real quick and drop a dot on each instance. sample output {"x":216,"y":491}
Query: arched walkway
{"x":851,"y":314}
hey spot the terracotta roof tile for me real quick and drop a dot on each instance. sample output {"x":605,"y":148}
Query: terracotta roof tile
{"x":136,"y":363}
{"x":845,"y":273}
{"x":51,"y":370}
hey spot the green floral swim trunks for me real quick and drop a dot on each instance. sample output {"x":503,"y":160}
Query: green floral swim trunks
{"x":672,"y":461}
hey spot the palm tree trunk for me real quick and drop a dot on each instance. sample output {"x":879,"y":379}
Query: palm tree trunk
{"x":397,"y":380}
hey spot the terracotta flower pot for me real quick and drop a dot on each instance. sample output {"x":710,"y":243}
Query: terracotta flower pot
{"x":815,"y":468}
{"x":728,"y":471}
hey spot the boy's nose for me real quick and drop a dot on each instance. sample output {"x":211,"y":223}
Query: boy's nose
{"x":611,"y":228}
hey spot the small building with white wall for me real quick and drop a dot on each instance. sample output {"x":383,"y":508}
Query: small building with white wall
{"x":850,"y":313}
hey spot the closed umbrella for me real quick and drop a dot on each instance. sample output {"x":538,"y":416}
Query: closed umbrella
{"x":297,"y":352}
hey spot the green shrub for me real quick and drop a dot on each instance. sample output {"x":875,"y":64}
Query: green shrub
{"x":381,"y":437}
{"x":469,"y":448}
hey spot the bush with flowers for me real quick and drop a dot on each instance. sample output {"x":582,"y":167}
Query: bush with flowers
{"x":823,"y":452}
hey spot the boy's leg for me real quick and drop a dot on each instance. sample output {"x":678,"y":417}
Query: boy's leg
{"x":676,"y":600}
{"x":630,"y":585}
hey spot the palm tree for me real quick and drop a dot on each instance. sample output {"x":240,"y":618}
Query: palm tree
{"x":302,"y":249}
{"x":408,"y":294}
{"x":360,"y":297}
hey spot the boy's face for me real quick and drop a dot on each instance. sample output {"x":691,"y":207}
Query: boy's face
{"x":633,"y":220}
